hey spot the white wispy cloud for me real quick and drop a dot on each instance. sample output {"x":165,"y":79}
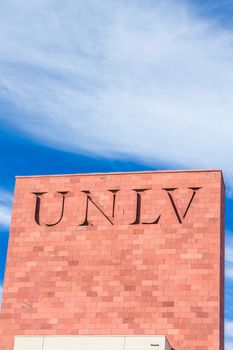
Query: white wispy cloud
{"x":229,"y":246}
{"x":228,"y":335}
{"x":229,"y":256}
{"x":229,"y":329}
{"x":229,"y":271}
{"x":228,"y":345}
{"x":149,"y":80}
{"x":5,"y":208}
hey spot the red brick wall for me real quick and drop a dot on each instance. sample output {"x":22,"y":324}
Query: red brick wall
{"x":110,"y":277}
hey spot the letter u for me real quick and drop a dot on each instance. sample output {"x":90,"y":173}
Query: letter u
{"x":38,"y":205}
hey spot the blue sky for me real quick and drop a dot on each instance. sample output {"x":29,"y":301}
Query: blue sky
{"x":92,"y":86}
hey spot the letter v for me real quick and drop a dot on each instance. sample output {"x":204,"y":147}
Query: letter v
{"x":178,"y":215}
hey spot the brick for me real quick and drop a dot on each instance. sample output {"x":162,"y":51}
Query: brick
{"x":114,"y":276}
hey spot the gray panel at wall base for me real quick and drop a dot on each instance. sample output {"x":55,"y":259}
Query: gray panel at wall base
{"x":91,"y":343}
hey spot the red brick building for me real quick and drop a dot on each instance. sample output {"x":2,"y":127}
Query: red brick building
{"x":117,"y":254}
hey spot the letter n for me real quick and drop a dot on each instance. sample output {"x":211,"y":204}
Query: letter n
{"x":89,"y":199}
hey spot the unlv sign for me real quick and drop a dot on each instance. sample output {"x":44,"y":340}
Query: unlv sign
{"x":180,"y":216}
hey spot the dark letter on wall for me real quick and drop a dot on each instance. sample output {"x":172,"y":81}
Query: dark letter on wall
{"x":38,"y":204}
{"x":89,"y":199}
{"x":138,"y":208}
{"x":178,"y":215}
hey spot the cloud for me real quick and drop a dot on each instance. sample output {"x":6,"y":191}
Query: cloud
{"x":147,"y":80}
{"x":5,"y":208}
{"x":229,"y":256}
{"x":229,"y":247}
{"x":228,"y":335}
{"x":228,"y":345}
{"x":229,"y":271}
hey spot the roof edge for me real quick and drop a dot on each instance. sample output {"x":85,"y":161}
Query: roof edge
{"x":123,"y":173}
